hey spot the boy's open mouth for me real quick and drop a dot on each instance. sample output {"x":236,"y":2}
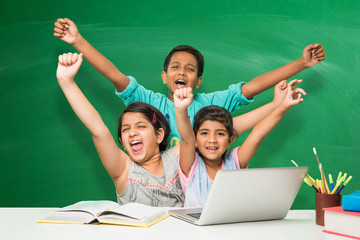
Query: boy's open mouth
{"x":180,"y":83}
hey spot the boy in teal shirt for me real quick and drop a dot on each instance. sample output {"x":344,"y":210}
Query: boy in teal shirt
{"x":183,"y":67}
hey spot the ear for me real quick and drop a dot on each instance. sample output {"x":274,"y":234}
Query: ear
{"x":164,"y":77}
{"x":199,"y":81}
{"x":231,"y":140}
{"x":160,"y":135}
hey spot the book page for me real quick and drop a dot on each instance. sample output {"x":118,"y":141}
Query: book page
{"x":136,"y":210}
{"x":93,"y":207}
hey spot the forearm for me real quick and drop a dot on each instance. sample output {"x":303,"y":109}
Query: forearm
{"x":184,"y":126}
{"x":269,"y":79}
{"x":187,"y":143}
{"x":247,"y":121}
{"x":83,"y":108}
{"x":102,"y":64}
{"x":248,"y":149}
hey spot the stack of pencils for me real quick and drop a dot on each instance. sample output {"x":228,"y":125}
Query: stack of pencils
{"x":321,"y":185}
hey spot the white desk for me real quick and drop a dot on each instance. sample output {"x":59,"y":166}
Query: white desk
{"x":20,"y":223}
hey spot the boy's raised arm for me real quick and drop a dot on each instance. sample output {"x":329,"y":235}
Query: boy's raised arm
{"x":113,"y":158}
{"x":248,"y":149}
{"x":183,"y":97}
{"x":312,"y":55}
{"x":66,"y":30}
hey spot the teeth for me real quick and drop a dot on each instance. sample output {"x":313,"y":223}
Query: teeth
{"x":135,"y":142}
{"x":180,"y":81}
{"x":212,"y":148}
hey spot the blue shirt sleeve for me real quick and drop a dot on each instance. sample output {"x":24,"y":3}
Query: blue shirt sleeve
{"x":230,"y":99}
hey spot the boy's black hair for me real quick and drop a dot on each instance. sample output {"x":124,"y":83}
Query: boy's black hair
{"x":154,"y":117}
{"x":186,"y":48}
{"x":214,"y":113}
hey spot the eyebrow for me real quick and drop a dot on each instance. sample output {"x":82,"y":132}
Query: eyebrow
{"x":140,"y":122}
{"x":217,"y":130}
{"x":185,"y":65}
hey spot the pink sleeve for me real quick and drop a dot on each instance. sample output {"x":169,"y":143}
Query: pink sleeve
{"x":185,"y":180}
{"x":236,"y":158}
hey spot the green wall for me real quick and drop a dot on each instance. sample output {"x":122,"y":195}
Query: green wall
{"x":47,"y":156}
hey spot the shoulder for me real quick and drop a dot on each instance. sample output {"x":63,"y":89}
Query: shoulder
{"x":169,"y":154}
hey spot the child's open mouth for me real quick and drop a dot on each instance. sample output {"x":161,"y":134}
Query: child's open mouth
{"x":136,"y":145}
{"x":212,"y":149}
{"x":180,"y":83}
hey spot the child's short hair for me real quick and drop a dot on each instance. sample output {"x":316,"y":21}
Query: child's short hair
{"x":186,"y":48}
{"x":214,"y":113}
{"x":153,"y":115}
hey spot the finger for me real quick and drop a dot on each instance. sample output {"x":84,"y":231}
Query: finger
{"x":283,"y":84}
{"x":300,"y":90}
{"x":68,"y":22}
{"x":74,"y":58}
{"x":294,"y":82}
{"x":58,"y":35}
{"x":318,"y":50}
{"x":79,"y":59}
{"x":58,"y":30}
{"x":60,"y":60}
{"x":316,"y":46}
{"x":68,"y":58}
{"x":190,"y":92}
{"x":59,"y":26}
{"x":321,"y":59}
{"x":176,"y":93}
{"x":181,"y":93}
{"x":319,"y":54}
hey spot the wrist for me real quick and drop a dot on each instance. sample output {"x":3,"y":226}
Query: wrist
{"x":303,"y":63}
{"x":283,"y":108}
{"x":78,"y":41}
{"x":65,"y":81}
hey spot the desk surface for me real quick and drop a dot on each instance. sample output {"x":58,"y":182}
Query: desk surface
{"x":20,"y":223}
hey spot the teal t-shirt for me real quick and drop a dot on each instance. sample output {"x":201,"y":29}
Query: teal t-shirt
{"x":230,"y":99}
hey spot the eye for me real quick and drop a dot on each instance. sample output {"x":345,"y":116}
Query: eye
{"x":124,"y":130}
{"x":174,"y":66}
{"x":203,"y":133}
{"x":190,"y":69}
{"x":221,"y":134}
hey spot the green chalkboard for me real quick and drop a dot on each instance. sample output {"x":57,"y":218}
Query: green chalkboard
{"x":47,"y":156}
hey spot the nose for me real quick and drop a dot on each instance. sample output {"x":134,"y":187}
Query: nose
{"x":182,"y":72}
{"x":212,"y":138}
{"x":132,"y":132}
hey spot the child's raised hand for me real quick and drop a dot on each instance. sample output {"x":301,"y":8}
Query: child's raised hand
{"x":293,"y":95}
{"x":313,"y":54}
{"x":66,"y":30}
{"x":68,"y":66}
{"x":183,"y":97}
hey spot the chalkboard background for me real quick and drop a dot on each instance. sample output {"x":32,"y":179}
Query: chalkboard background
{"x":47,"y":155}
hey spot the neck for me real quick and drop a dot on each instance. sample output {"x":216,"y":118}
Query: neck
{"x":212,"y":167}
{"x":154,"y":165}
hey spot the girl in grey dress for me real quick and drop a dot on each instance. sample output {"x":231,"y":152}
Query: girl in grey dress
{"x":144,"y":172}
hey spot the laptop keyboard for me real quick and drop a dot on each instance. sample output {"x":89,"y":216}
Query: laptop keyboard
{"x":194,"y":215}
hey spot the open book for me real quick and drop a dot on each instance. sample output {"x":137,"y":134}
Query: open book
{"x":107,"y":212}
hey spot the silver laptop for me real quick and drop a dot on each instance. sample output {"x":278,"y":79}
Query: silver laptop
{"x":245,"y":195}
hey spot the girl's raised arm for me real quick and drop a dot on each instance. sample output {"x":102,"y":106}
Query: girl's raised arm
{"x":248,"y":149}
{"x":115,"y":161}
{"x":183,"y":97}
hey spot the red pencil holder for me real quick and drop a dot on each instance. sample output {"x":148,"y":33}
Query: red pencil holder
{"x":323,"y":200}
